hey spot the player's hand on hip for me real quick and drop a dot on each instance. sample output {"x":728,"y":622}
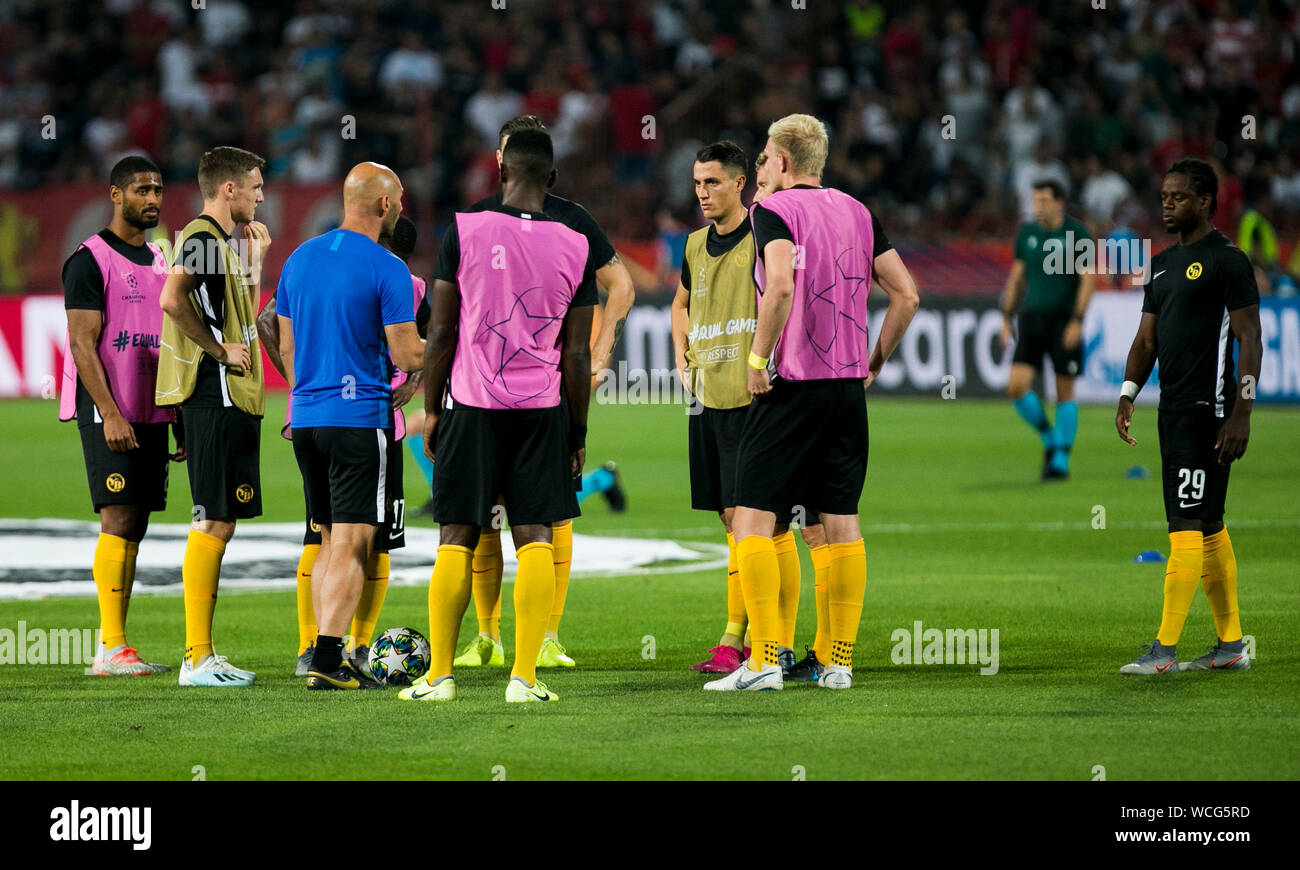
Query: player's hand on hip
{"x":236,"y":356}
{"x":577,"y":460}
{"x":1124,"y":417}
{"x":1073,"y":335}
{"x":1232,"y":439}
{"x":404,"y":393}
{"x":760,"y":381}
{"x":430,"y":434}
{"x":119,"y":435}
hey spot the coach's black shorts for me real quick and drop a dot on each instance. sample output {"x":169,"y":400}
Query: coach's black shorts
{"x":804,"y":446}
{"x":392,"y":534}
{"x":520,"y":456}
{"x":1196,"y":485}
{"x":713,"y":435}
{"x":222,"y":449}
{"x":344,"y":473}
{"x":1040,"y":335}
{"x":137,"y":477}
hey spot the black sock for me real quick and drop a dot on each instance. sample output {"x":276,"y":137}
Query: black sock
{"x":329,"y":654}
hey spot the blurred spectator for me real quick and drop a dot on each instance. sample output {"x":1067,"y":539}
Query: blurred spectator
{"x":1103,"y":190}
{"x":491,"y":106}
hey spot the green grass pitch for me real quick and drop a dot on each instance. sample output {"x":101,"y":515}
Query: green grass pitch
{"x":959,"y":534}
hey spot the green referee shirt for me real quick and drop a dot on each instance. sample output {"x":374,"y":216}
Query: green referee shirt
{"x":1050,"y":293}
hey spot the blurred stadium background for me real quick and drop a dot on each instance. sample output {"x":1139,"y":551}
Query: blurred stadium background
{"x":942,"y":114}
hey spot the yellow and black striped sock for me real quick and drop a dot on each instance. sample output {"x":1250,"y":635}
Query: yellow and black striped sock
{"x":1219,"y":579}
{"x":449,"y":590}
{"x":109,"y":571}
{"x":534,"y":597}
{"x":132,"y":553}
{"x":787,"y":557}
{"x":562,"y":541}
{"x":821,"y":559}
{"x":846,"y":585}
{"x":760,"y":578}
{"x":736,"y":619}
{"x":1182,"y":572}
{"x":200,"y":573}
{"x":306,"y":612}
{"x":373,"y":591}
{"x":488,"y":567}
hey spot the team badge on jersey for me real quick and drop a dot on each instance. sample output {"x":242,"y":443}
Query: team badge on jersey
{"x":244,"y":493}
{"x":1193,"y":271}
{"x":115,"y":482}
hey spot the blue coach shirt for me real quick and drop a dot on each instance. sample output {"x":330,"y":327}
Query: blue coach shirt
{"x":340,"y":290}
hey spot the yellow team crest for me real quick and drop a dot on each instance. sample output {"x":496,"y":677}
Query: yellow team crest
{"x":244,"y":493}
{"x":115,"y":482}
{"x":315,"y":526}
{"x":1193,"y":271}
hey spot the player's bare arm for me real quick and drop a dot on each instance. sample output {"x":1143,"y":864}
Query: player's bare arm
{"x":176,"y":304}
{"x":617,"y":283}
{"x":1073,"y":335}
{"x":773,"y":310}
{"x":1011,"y":296}
{"x":575,"y":365}
{"x":1232,"y":439}
{"x":268,"y":332}
{"x":406,"y":346}
{"x":84,"y":327}
{"x":680,"y":317}
{"x":1141,"y":359}
{"x":284,"y":344}
{"x":444,"y":321}
{"x":892,"y":276}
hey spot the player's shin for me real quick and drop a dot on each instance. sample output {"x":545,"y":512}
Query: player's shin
{"x":132,"y":553}
{"x":846,"y":585}
{"x":306,"y":613}
{"x":534,"y":597}
{"x":760,"y":578}
{"x":449,"y":591}
{"x":736,"y":618}
{"x":488,"y":567}
{"x":109,"y":572}
{"x":373,"y":592}
{"x":1219,"y":579}
{"x":1186,"y":558}
{"x":787,"y":557}
{"x":562,"y":541}
{"x":200,"y":572}
{"x":821,"y":560}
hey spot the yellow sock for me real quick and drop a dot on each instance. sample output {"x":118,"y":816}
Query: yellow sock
{"x":200,"y":571}
{"x":1219,"y":579}
{"x":487,"y":583}
{"x":109,"y":571}
{"x":373,"y":592}
{"x":760,"y":577}
{"x":736,"y":619}
{"x":821,"y":559}
{"x":534,"y":598}
{"x":562,"y":541}
{"x":1186,"y":556}
{"x":132,"y":551}
{"x":787,"y":557}
{"x":306,"y":613}
{"x":448,"y":597}
{"x":846,"y":584}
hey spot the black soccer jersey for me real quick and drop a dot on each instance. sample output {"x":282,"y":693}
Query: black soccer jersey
{"x":1191,"y":290}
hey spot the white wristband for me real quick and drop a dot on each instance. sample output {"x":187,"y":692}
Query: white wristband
{"x":1129,"y":390}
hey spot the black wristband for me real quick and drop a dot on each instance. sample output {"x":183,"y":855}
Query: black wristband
{"x":577,"y":438}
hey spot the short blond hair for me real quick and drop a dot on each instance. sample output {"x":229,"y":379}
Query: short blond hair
{"x":804,"y":138}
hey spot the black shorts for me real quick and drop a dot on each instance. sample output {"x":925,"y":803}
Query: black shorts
{"x":344,"y":473}
{"x":521,"y":457}
{"x":392,"y":534}
{"x":713,"y":435}
{"x":804,"y":449}
{"x":223,"y":448}
{"x":138,"y":477}
{"x":1196,"y":485}
{"x":1039,"y":334}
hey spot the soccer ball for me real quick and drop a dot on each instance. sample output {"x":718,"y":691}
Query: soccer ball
{"x":399,"y":656}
